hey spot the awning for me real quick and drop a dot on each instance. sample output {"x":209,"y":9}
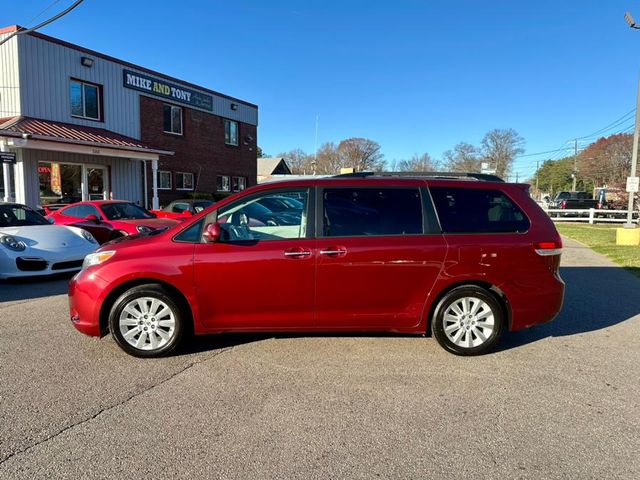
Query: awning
{"x":49,"y":131}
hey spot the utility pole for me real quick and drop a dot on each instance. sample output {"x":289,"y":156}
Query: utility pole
{"x":634,"y":161}
{"x":636,"y":133}
{"x":575,"y":164}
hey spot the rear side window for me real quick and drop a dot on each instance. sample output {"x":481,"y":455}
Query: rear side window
{"x":468,"y":210}
{"x":352,"y":212}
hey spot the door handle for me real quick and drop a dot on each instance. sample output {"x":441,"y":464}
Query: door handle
{"x":334,"y":251}
{"x":297,"y":252}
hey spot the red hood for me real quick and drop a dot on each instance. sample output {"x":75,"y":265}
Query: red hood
{"x":130,"y":225}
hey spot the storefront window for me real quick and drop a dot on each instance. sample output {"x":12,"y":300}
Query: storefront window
{"x":59,"y":183}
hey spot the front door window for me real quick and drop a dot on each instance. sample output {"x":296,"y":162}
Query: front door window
{"x":96,"y":184}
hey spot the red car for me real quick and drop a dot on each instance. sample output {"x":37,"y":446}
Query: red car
{"x":123,"y":218}
{"x":181,"y":209}
{"x":462,"y":258}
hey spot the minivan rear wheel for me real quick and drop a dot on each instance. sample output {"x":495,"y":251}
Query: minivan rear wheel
{"x":468,"y":321}
{"x":146,"y":322}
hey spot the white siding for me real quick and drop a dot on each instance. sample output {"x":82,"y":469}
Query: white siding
{"x":47,"y":67}
{"x":9,"y":78}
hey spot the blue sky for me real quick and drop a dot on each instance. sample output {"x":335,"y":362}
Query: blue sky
{"x":416,"y":76}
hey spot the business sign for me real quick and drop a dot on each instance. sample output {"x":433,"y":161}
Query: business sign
{"x":8,"y":157}
{"x":170,"y":91}
{"x":633,"y":184}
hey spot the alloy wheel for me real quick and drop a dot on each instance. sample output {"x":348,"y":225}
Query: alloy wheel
{"x":147,"y":323}
{"x":468,"y":322}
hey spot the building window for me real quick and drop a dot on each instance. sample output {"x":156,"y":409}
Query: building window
{"x":184,"y":181}
{"x":239,"y":183}
{"x":164,"y":180}
{"x":231,"y":132}
{"x":172,"y":121}
{"x":85,"y":100}
{"x":224,"y":183}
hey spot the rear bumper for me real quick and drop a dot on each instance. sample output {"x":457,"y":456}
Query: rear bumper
{"x":85,"y":290}
{"x":538,"y":306}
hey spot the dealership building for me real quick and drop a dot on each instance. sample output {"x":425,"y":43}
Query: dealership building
{"x":76,"y":124}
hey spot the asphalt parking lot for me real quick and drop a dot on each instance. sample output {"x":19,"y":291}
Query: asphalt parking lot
{"x":558,"y":401}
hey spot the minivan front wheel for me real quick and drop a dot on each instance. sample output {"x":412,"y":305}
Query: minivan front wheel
{"x":146,"y":322}
{"x":468,"y":321}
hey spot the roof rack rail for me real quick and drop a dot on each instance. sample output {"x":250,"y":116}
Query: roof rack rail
{"x":484,"y":177}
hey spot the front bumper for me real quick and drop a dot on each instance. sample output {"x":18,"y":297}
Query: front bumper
{"x":36,"y":263}
{"x":85,"y":300}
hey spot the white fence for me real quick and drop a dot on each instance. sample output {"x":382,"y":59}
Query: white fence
{"x":590,"y":215}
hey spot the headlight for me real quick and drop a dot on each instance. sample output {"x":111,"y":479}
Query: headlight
{"x":12,"y":243}
{"x":88,"y":237}
{"x":144,"y":229}
{"x":97,"y":258}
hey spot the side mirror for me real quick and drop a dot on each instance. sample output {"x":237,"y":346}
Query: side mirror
{"x":212,"y":233}
{"x":92,"y":218}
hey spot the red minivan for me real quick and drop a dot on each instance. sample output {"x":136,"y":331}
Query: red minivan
{"x":463,"y":257}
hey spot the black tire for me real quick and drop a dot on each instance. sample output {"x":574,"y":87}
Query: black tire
{"x":474,"y":327}
{"x":167,"y":329}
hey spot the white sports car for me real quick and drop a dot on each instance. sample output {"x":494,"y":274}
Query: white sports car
{"x":30,"y":245}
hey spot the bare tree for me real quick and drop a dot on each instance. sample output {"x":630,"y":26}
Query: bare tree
{"x":463,"y":158}
{"x":361,"y":154}
{"x":418,"y":163}
{"x":328,"y":159}
{"x":500,"y":147}
{"x":392,"y":165}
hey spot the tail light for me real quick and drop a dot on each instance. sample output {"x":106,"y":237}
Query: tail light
{"x":550,"y":253}
{"x":546,"y":249}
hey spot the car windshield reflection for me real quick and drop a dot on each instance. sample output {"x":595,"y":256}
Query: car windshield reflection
{"x":20,"y":216}
{"x":125,"y":211}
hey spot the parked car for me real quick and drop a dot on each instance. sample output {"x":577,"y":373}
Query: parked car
{"x":60,"y":202}
{"x":181,"y":209}
{"x":574,"y":201}
{"x":462,"y":258}
{"x":30,"y":245}
{"x":125,"y":218}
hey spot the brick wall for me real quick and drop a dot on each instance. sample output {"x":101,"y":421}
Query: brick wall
{"x":199,"y":150}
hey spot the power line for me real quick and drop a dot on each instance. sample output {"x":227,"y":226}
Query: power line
{"x":613,"y":124}
{"x":43,"y":24}
{"x":44,"y":11}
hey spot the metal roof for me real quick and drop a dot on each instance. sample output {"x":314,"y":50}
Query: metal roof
{"x":39,"y":129}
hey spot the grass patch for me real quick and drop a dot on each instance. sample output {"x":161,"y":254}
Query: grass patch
{"x":602,"y":239}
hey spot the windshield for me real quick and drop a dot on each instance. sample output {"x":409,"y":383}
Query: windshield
{"x":20,"y":216}
{"x":199,"y":206}
{"x":124,"y":211}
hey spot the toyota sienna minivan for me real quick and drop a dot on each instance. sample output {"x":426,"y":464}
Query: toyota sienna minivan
{"x":462,"y":257}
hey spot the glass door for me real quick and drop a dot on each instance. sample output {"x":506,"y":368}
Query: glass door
{"x":97,"y":183}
